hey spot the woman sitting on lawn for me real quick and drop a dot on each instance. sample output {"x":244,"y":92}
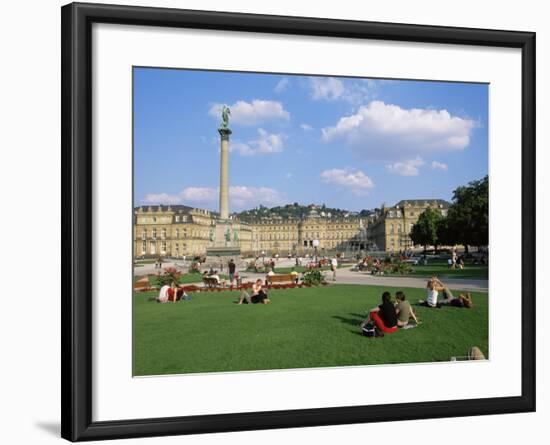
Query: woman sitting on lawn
{"x":170,"y":293}
{"x":258,"y":294}
{"x":403,"y":310}
{"x":383,"y":316}
{"x":434,"y":286}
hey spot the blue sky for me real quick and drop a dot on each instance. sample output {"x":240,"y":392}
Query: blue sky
{"x":346,"y":142}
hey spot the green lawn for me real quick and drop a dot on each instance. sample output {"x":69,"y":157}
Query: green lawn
{"x":443,"y":270}
{"x":301,"y":328}
{"x":185,"y":278}
{"x":197,"y":278}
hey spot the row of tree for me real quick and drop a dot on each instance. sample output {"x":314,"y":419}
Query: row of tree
{"x":466,"y":223}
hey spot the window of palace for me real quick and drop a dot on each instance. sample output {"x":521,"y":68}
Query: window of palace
{"x":143,"y":247}
{"x":177,"y":218}
{"x":144,"y":234}
{"x":154,"y":233}
{"x":177,"y":233}
{"x":391,"y":229}
{"x":163,"y":247}
{"x":163,"y":233}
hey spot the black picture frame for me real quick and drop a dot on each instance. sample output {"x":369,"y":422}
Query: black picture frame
{"x":76,"y":248}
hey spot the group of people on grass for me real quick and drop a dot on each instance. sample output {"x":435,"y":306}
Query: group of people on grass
{"x":172,"y":292}
{"x":389,"y":316}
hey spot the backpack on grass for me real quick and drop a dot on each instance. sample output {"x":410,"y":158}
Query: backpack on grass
{"x":371,"y":330}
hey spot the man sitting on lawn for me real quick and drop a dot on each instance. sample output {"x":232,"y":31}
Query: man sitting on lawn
{"x":383,"y":316}
{"x":258,"y":294}
{"x":404,"y":310}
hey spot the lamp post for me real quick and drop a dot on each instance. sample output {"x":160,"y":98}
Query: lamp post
{"x":315,"y":246}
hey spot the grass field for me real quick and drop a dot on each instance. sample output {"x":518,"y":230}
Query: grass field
{"x":185,"y":278}
{"x":301,"y":328}
{"x":443,"y":270}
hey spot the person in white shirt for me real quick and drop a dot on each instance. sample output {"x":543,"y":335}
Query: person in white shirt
{"x":163,"y":294}
{"x":333,"y":267}
{"x":433,"y":288}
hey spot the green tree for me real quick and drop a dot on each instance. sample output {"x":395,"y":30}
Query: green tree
{"x":468,"y":216}
{"x":424,"y":232}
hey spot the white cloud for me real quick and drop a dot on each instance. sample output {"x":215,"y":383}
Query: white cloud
{"x":162,"y":198}
{"x":199,"y":194}
{"x":306,"y":127}
{"x":327,"y":88}
{"x":354,"y":91}
{"x":252,"y":113}
{"x":240,"y":197}
{"x":406,"y":168}
{"x":384,"y":131}
{"x":282,"y":85}
{"x":439,"y":166}
{"x":266,"y":143}
{"x":354,"y":180}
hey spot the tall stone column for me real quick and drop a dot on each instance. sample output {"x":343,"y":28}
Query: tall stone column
{"x":224,"y":173}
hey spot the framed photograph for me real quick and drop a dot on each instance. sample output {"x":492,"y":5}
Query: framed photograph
{"x":274,"y":222}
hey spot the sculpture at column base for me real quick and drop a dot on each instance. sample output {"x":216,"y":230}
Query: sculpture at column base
{"x":226,"y":242}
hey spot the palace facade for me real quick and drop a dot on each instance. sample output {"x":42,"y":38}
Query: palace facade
{"x":177,"y":230}
{"x":391,"y":227}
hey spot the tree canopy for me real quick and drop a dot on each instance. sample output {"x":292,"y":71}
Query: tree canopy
{"x":424,"y":232}
{"x":468,"y":216}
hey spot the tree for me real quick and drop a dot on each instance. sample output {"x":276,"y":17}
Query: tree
{"x":424,"y":232}
{"x":446,"y":233}
{"x":468,"y":216}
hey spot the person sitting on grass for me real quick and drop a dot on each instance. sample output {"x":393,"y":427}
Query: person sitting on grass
{"x":463,"y":300}
{"x":433,"y":288}
{"x":163,"y":293}
{"x":171,"y":293}
{"x":258,"y":294}
{"x":383,"y":315}
{"x":403,"y":310}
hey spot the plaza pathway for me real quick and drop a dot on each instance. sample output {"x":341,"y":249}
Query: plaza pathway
{"x":346,"y":276}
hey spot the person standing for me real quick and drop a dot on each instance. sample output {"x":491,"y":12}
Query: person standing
{"x":333,"y":267}
{"x":231,"y":266}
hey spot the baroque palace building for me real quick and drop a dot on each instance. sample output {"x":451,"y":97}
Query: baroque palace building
{"x":390,"y":229}
{"x":178,"y":230}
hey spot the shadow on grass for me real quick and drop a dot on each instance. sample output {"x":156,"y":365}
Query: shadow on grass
{"x":351,"y":321}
